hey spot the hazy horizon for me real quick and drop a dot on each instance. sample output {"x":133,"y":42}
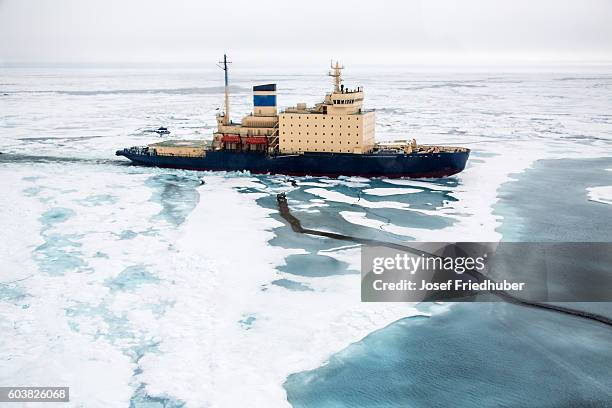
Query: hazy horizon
{"x":271,"y":33}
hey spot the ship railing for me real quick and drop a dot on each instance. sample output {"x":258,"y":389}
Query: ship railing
{"x":181,"y":155}
{"x":147,"y":151}
{"x":141,"y":150}
{"x":273,"y":138}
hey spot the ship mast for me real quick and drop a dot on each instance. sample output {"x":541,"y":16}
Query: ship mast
{"x":226,"y":116}
{"x":336,"y":74}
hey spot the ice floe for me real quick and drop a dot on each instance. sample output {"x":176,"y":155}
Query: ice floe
{"x":602,"y":194}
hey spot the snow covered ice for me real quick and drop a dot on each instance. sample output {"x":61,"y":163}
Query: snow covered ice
{"x":143,"y":285}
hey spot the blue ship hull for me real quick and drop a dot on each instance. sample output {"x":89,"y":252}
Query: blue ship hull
{"x":380,"y":164}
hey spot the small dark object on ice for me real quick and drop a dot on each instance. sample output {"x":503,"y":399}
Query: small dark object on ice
{"x":162,"y":131}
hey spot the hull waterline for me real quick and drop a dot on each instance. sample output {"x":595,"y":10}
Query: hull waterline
{"x":314,"y":164}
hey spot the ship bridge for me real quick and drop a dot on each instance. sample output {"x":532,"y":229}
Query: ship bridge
{"x":339,"y":124}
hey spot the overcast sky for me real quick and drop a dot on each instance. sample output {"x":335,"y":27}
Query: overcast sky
{"x":196,"y":31}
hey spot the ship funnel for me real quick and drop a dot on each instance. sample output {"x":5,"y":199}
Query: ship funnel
{"x":264,"y":100}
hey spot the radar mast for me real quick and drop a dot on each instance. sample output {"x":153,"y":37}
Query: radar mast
{"x":226,"y":116}
{"x":337,"y":75}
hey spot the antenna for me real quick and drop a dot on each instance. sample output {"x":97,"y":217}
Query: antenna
{"x":336,"y":74}
{"x":226,"y":116}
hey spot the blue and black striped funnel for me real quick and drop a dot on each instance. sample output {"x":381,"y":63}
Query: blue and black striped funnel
{"x":264,"y":100}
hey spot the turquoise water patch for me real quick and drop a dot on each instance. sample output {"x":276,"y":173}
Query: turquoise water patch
{"x":117,"y":326}
{"x":55,"y":216}
{"x":74,"y":326}
{"x":131,"y":278}
{"x":247,"y":322}
{"x":100,"y":199}
{"x":424,"y":200}
{"x":32,"y":178}
{"x":409,"y":219}
{"x":249,"y":190}
{"x":286,"y":238}
{"x":127,"y":234}
{"x":176,"y":193}
{"x":140,"y":399}
{"x":291,"y":285}
{"x":58,"y":254}
{"x":31,"y":191}
{"x":118,"y":331}
{"x":159,"y":309}
{"x":549,"y":202}
{"x":328,"y":218}
{"x":12,"y":292}
{"x":314,"y":266}
{"x":485,"y":354}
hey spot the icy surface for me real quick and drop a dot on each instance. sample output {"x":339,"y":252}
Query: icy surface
{"x":601,"y":194}
{"x":144,"y":286}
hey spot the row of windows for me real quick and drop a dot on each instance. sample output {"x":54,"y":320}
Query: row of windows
{"x":327,"y":150}
{"x":291,"y":125}
{"x":348,"y":134}
{"x":343,"y":101}
{"x":347,"y":117}
{"x":315,"y":142}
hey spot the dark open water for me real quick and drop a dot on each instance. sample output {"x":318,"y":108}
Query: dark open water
{"x":489,"y":354}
